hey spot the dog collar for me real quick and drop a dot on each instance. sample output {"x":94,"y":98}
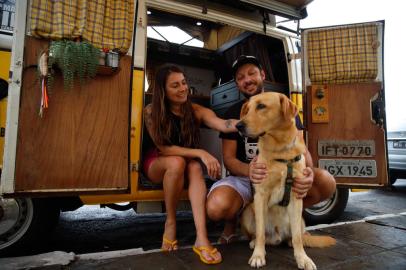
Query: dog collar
{"x":289,"y":179}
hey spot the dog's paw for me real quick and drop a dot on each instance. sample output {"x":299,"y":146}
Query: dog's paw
{"x":257,"y":260}
{"x":252,"y":244}
{"x":304,"y":262}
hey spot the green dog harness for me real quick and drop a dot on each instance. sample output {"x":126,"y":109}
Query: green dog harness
{"x":289,"y":179}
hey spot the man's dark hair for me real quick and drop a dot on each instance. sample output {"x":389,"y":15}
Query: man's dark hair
{"x":245,"y":59}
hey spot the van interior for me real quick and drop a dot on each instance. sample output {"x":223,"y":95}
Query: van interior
{"x":208,"y":67}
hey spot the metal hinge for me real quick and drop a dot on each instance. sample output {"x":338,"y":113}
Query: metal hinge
{"x":134,"y":167}
{"x":294,"y":56}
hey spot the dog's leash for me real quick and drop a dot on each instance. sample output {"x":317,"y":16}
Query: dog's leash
{"x":289,"y":179}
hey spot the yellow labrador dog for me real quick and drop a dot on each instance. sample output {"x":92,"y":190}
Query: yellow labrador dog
{"x":276,"y":213}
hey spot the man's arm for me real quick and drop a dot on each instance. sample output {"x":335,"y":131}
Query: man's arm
{"x":232,"y":163}
{"x":308,"y":158}
{"x":256,"y":172}
{"x":302,"y":185}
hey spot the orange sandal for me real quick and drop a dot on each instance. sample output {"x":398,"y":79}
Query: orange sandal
{"x":211,"y":251}
{"x":173,"y":245}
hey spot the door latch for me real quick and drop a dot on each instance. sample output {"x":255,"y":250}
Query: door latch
{"x":377,"y":109}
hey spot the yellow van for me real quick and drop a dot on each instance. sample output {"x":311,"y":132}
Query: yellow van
{"x":86,"y":148}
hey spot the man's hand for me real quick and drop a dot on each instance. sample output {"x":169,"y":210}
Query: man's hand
{"x":257,"y":171}
{"x":302,"y":185}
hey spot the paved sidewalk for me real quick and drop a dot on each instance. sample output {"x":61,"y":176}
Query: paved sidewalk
{"x":372,"y":244}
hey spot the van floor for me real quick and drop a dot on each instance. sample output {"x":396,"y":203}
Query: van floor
{"x":379,"y":243}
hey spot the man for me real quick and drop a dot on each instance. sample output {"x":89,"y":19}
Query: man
{"x":228,"y":196}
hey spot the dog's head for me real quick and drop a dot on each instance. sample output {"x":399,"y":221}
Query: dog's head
{"x":265,"y":112}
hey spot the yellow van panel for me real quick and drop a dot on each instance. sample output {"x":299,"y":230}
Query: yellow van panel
{"x":5,"y":60}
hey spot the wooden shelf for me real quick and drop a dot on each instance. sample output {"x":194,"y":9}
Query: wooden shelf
{"x":105,"y":70}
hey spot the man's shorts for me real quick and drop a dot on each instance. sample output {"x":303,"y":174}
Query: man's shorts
{"x":240,"y":184}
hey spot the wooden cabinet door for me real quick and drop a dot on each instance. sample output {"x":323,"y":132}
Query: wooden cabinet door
{"x":81,"y":142}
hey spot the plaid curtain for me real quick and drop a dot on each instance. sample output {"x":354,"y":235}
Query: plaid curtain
{"x":345,"y":54}
{"x":104,"y":23}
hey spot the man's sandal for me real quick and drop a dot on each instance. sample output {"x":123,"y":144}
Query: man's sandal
{"x":224,"y":239}
{"x":210,"y":251}
{"x":172,"y":245}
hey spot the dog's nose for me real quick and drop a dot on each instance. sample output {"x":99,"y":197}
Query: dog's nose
{"x":240,"y":126}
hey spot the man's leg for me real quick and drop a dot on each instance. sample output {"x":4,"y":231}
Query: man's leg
{"x":225,"y":201}
{"x":324,"y":186}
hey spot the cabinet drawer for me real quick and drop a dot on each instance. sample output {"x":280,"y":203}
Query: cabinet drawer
{"x":223,"y":97}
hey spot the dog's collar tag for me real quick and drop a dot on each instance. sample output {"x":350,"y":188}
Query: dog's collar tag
{"x":289,"y":179}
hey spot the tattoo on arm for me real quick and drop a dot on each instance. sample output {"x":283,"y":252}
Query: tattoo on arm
{"x":228,"y":123}
{"x":148,"y":118}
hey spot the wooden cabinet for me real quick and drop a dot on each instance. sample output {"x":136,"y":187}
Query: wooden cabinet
{"x":224,"y":96}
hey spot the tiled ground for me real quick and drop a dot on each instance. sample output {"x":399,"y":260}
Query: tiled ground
{"x":378,"y":244}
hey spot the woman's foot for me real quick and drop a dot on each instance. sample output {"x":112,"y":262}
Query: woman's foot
{"x":169,"y":242}
{"x":207,"y":253}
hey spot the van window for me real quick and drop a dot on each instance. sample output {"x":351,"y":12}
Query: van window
{"x":7,"y":15}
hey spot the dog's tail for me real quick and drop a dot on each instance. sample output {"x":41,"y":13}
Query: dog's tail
{"x":318,"y":241}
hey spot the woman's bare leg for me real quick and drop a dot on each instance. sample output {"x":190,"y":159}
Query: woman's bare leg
{"x":197,"y":196}
{"x":169,"y":170}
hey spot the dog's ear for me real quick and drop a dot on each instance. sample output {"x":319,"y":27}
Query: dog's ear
{"x":244,"y":109}
{"x":289,"y":109}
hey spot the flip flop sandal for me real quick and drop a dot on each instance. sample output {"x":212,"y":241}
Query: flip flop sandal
{"x":224,"y":239}
{"x":211,"y":251}
{"x":173,"y":245}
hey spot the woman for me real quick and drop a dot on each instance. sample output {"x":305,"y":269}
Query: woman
{"x":173,"y":121}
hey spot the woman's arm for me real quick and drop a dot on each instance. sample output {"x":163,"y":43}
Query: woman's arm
{"x":210,"y":119}
{"x":212,"y":164}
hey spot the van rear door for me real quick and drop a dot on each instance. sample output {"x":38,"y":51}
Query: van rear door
{"x":344,"y":102}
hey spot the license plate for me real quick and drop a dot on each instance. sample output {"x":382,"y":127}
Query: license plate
{"x":341,"y":148}
{"x":349,"y":167}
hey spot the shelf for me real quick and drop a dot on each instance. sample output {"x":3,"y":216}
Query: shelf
{"x":105,"y":70}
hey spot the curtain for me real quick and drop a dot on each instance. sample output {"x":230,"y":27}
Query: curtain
{"x":347,"y":54}
{"x":104,"y":23}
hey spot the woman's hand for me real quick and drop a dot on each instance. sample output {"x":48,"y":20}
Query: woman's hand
{"x":257,"y":171}
{"x":211,"y":163}
{"x":301,"y":185}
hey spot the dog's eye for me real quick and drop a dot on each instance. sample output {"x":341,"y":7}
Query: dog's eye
{"x":260,"y":106}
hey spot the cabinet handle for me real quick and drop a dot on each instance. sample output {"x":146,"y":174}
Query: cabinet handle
{"x":224,"y":96}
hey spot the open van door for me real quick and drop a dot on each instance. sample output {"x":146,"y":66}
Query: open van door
{"x":344,"y":102}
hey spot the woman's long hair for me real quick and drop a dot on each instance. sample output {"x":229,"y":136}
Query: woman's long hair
{"x":162,"y":124}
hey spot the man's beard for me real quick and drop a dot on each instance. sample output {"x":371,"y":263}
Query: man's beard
{"x":260,"y":89}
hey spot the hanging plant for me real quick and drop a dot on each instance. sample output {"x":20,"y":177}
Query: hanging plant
{"x":75,"y":60}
